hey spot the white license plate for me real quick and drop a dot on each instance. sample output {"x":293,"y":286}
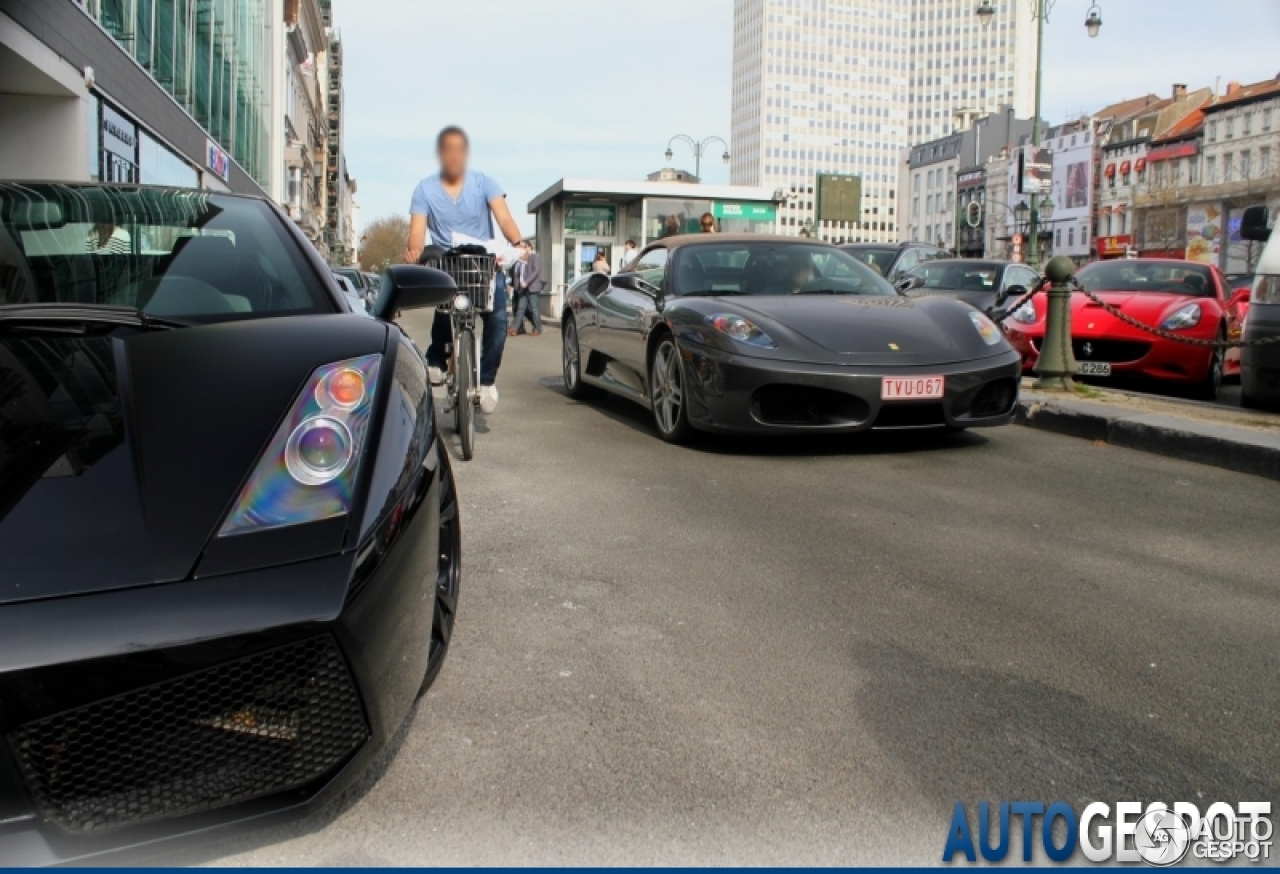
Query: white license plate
{"x":1093,"y":368}
{"x":911,"y":388}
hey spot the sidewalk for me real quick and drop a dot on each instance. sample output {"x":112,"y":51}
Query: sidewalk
{"x":1245,"y":441}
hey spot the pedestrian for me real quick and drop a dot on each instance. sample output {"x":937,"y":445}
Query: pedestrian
{"x":708,"y":223}
{"x":601,"y":264}
{"x":107,"y":238}
{"x":529,"y":280}
{"x":628,"y":255}
{"x":463,"y":201}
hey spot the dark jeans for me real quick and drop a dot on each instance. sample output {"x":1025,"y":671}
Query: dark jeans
{"x":492,"y":339}
{"x":530,"y":304}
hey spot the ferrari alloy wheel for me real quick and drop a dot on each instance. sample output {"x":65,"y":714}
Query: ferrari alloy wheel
{"x":448,"y":575}
{"x":666,"y":392}
{"x":466,"y":411}
{"x":1207,"y":389}
{"x":571,"y":359}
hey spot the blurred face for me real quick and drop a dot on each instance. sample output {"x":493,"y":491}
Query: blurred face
{"x":802,"y":273}
{"x":453,"y":156}
{"x":708,"y":224}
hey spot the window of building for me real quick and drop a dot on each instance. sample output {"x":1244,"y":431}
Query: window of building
{"x":1266,"y":119}
{"x":1245,"y":161}
{"x":1264,"y":161}
{"x":1246,"y":124}
{"x":1071,"y":236}
{"x":1211,"y":132}
{"x":1228,"y":165}
{"x":1057,"y":237}
{"x":1193,"y":171}
{"x":1210,"y":170}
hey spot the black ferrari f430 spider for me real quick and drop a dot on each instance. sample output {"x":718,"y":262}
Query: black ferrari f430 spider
{"x":764,"y":334}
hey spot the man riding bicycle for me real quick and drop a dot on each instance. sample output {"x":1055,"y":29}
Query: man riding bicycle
{"x":466,"y":202}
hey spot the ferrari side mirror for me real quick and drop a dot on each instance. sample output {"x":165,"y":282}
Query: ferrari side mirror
{"x":408,"y":287}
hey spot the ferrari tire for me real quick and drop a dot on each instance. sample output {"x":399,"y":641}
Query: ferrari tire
{"x":667,"y":395}
{"x":1207,"y":389}
{"x":448,"y":579}
{"x":571,"y":362}
{"x":466,"y":411}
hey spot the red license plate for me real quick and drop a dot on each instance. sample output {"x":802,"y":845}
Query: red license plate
{"x":912,"y":388}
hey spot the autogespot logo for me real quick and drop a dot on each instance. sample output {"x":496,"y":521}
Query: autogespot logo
{"x":1157,"y":834}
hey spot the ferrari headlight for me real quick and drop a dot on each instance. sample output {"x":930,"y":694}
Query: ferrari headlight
{"x":1026,"y":314}
{"x":986,"y":328}
{"x":309,"y":468}
{"x":740,"y":329}
{"x":1184,"y":317}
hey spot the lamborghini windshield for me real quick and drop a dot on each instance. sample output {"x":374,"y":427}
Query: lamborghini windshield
{"x":773,"y":267}
{"x":181,"y":255}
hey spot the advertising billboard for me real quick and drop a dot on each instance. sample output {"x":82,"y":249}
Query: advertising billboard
{"x":839,"y":197}
{"x":1035,"y":170}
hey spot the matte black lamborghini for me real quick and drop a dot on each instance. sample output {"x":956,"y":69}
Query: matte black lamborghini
{"x":767,"y":334}
{"x":229,"y":538}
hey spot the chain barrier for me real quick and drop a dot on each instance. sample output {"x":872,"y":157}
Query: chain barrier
{"x":1141,"y":326}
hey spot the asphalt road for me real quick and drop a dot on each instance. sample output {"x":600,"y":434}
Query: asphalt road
{"x":807,"y":652}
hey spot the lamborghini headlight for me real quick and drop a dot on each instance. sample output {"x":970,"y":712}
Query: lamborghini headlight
{"x":740,"y":329}
{"x":309,"y":468}
{"x":986,"y":328}
{"x":1183,"y":317}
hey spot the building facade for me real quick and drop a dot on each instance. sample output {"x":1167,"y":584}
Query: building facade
{"x":844,"y":86}
{"x":175,"y":93}
{"x":305,"y":128}
{"x":929,"y":203}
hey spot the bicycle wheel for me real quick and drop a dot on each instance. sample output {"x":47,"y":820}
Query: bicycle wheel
{"x":464,"y":379}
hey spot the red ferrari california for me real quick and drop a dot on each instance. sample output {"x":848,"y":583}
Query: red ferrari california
{"x":1181,"y":297}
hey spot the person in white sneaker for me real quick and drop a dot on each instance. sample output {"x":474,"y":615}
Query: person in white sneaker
{"x":467,"y":202}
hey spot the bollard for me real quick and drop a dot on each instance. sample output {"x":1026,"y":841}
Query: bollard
{"x":1056,"y":365}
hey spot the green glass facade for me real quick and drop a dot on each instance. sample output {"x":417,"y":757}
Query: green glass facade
{"x":213,"y":56}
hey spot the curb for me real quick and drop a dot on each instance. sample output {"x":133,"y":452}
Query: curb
{"x":1228,"y":447}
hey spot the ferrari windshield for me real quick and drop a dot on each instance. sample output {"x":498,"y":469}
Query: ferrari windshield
{"x":773,"y":267}
{"x":973,"y":276}
{"x":183,"y":255}
{"x":1164,"y":277}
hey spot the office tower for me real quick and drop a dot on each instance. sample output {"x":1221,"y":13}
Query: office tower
{"x":845,"y":86}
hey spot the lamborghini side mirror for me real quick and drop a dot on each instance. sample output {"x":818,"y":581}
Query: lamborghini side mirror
{"x":408,"y":287}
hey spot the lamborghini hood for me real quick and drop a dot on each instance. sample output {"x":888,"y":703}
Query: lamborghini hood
{"x":861,"y":329}
{"x":121,"y":451}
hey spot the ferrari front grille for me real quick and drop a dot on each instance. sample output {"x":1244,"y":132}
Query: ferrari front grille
{"x":245,"y":729}
{"x":806,"y":405}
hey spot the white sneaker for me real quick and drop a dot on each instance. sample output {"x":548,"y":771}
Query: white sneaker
{"x":488,"y":398}
{"x":436,"y":375}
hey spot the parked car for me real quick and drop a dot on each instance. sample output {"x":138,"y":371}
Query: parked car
{"x":1260,"y":365}
{"x":892,"y":260}
{"x":358,"y":279}
{"x":753,"y":333}
{"x":355,"y":303}
{"x":984,"y":285}
{"x":229,"y":537}
{"x":1183,"y":297}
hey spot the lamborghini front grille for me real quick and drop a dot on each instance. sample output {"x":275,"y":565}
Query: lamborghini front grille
{"x":245,"y":729}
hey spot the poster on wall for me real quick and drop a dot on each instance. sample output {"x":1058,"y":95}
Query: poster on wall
{"x":1076,"y":193}
{"x":1035,"y":170}
{"x":1204,"y":233}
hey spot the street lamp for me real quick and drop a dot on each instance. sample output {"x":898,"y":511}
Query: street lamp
{"x":1020,"y":213}
{"x":1054,"y":365}
{"x":1093,"y":23}
{"x":699,"y":149}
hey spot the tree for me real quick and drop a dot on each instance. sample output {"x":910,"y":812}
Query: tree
{"x":383,"y":243}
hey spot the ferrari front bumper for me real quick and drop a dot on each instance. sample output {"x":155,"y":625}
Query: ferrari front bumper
{"x":742,"y":394}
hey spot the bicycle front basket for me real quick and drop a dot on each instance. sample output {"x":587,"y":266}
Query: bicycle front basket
{"x":474,"y":276}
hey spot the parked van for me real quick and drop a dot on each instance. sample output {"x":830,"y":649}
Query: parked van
{"x":1260,"y":365}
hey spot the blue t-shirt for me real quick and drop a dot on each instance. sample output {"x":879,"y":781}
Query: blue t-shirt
{"x":469,"y":214}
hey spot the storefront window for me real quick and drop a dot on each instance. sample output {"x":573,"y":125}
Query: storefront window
{"x":667,"y":218}
{"x":159,"y":166}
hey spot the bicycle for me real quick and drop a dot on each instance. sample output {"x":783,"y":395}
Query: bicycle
{"x":472,"y":269}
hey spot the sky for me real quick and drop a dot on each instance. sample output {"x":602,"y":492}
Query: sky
{"x":597,"y":88}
